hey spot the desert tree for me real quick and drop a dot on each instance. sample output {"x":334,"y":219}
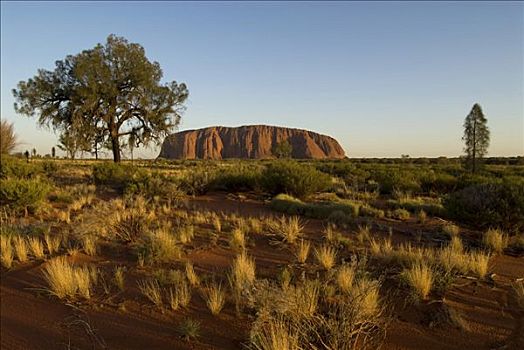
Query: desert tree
{"x":8,"y":138}
{"x":34,"y":153}
{"x":476,"y":137}
{"x":72,"y":143}
{"x":105,"y":94}
{"x":283,"y":149}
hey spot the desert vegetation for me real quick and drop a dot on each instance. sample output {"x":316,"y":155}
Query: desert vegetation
{"x":286,"y":265}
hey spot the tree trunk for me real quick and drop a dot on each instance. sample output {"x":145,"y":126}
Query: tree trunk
{"x":116,"y":149}
{"x":474,"y":145}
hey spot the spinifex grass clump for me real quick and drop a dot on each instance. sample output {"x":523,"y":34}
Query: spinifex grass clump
{"x":215,"y":297}
{"x":326,"y":256}
{"x":67,"y":281}
{"x":420,"y":278}
{"x":6,"y":251}
{"x":302,"y":251}
{"x":495,"y":240}
{"x":242,"y":276}
{"x":286,"y":230}
{"x":37,"y":247}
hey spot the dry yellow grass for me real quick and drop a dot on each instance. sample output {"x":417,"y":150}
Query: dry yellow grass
{"x":255,"y":225}
{"x":326,"y":256}
{"x":495,"y":240}
{"x":237,"y":241}
{"x":119,"y":277}
{"x":217,"y":223}
{"x":37,"y":247}
{"x":6,"y":249}
{"x":52,"y":243}
{"x":330,"y":234}
{"x":479,"y":264}
{"x":243,"y":271}
{"x":21,"y":249}
{"x":186,"y":233}
{"x":89,"y":245}
{"x":173,"y":301}
{"x":363,"y":233}
{"x":152,"y":291}
{"x":420,"y":278}
{"x":215,"y":298}
{"x":366,"y":298}
{"x":286,"y":230}
{"x":382,"y":249}
{"x":275,"y":334}
{"x":305,"y":298}
{"x":302,"y":251}
{"x":183,"y":293}
{"x":345,"y":278}
{"x":66,"y":280}
{"x":164,"y":245}
{"x":191,"y":275}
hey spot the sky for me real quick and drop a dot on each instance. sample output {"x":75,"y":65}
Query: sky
{"x":383,"y":78}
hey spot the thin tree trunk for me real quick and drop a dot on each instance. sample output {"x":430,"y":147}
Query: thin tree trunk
{"x":474,"y":145}
{"x":116,"y":149}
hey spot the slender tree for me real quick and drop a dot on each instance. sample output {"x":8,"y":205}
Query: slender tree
{"x":8,"y":138}
{"x":105,"y":94}
{"x":72,"y":143}
{"x":476,"y":137}
{"x":53,"y":152}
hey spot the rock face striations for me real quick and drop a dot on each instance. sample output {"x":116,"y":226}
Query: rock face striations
{"x":252,"y":141}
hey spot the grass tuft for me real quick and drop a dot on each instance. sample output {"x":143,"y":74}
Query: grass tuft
{"x":302,"y":251}
{"x":420,"y":278}
{"x":215,"y":297}
{"x":326,"y":256}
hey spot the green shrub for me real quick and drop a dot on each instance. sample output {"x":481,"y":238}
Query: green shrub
{"x":400,"y":214}
{"x":11,"y":167}
{"x":489,"y":204}
{"x":391,"y":180}
{"x":23,"y":193}
{"x":152,"y":185}
{"x":197,"y":181}
{"x":415,"y":205}
{"x":237,"y":178}
{"x":293,"y":178}
{"x":338,"y":211}
{"x":113,"y":175}
{"x":438,"y":182}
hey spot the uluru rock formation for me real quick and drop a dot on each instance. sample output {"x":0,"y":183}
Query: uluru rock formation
{"x":251,"y":141}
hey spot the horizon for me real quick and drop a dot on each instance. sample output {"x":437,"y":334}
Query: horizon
{"x":383,"y":79}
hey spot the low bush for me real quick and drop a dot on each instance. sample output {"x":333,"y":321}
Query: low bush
{"x":492,"y":204}
{"x":11,"y":167}
{"x":235,"y":179}
{"x":293,"y":178}
{"x":23,"y":193}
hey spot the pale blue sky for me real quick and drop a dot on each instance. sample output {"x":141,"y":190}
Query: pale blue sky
{"x":383,"y":78}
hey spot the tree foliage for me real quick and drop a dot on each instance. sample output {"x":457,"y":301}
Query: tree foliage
{"x":104,"y":94}
{"x":476,"y":137}
{"x":72,"y":143}
{"x":8,"y":139}
{"x":283,"y":149}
